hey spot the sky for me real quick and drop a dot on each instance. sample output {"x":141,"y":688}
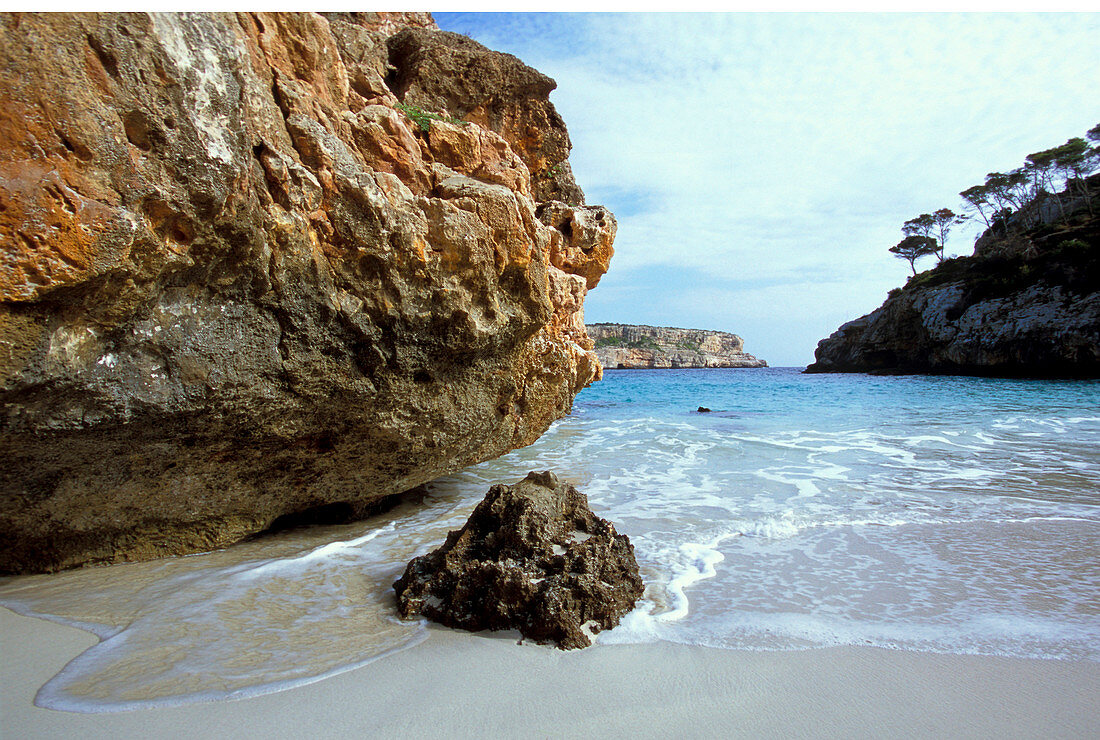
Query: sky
{"x":761,"y":165}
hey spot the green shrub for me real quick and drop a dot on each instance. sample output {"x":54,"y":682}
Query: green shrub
{"x":423,"y":119}
{"x":1069,"y":246}
{"x":642,"y":343}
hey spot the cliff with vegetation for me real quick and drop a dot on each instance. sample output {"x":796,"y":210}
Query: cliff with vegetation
{"x":259,"y":268}
{"x":626,"y":346}
{"x":1026,"y":303}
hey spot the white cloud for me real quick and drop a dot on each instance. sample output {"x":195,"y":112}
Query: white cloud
{"x":791,"y":147}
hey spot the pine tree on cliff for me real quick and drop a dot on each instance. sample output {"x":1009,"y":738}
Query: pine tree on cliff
{"x":1007,"y":192}
{"x":943,"y":221}
{"x":922,"y":225}
{"x":935,"y":226}
{"x":976,"y":199}
{"x":919,"y":226}
{"x":913,"y":247}
{"x":1040,"y":166}
{"x":1075,"y":160}
{"x":1004,"y":193}
{"x":1009,"y":189}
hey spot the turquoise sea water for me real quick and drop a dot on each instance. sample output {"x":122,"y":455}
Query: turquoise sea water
{"x":940,"y":514}
{"x":930,"y":513}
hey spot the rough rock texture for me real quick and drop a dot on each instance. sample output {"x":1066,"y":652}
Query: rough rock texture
{"x":450,"y":72}
{"x":625,"y":346}
{"x":238,"y":284}
{"x":1026,"y":304}
{"x":532,"y":557}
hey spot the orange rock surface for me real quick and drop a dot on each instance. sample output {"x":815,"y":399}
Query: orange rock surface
{"x":242,"y":280}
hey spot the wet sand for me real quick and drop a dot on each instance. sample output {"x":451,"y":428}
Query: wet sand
{"x":461,"y":685}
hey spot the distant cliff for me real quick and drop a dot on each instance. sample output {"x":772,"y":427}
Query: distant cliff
{"x":1027,"y":303}
{"x":628,"y":346}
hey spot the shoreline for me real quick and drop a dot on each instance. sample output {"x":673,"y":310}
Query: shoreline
{"x":615,"y":370}
{"x":462,"y":685}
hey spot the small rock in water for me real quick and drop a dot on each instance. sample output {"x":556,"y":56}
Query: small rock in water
{"x":532,"y":557}
{"x":703,"y":410}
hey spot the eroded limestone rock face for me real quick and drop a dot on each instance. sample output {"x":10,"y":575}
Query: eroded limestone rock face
{"x":640,"y":347}
{"x":532,"y":557}
{"x":450,"y":72}
{"x":1042,"y":330}
{"x":237,"y":283}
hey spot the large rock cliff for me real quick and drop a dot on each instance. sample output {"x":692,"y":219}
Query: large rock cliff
{"x":1027,"y":303}
{"x":627,"y":346}
{"x":257,"y":266}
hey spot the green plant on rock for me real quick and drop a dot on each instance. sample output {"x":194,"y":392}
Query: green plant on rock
{"x":423,"y":119}
{"x":1069,"y":245}
{"x":640,"y":343}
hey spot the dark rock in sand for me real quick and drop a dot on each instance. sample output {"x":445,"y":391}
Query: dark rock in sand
{"x":532,"y":557}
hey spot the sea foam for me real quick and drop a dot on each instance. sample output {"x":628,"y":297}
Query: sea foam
{"x":939,"y":514}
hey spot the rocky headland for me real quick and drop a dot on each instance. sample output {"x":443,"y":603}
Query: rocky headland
{"x":258,"y":268}
{"x":1026,"y":303}
{"x":628,"y":346}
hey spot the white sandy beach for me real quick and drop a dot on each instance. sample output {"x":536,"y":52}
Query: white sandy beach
{"x":461,"y":685}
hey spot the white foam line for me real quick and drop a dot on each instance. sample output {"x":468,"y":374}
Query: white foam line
{"x":965,"y":474}
{"x":1027,"y":519}
{"x":805,"y":488}
{"x":786,"y":525}
{"x":252,"y":570}
{"x":706,"y":557}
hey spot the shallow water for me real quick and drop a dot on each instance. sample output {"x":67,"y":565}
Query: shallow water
{"x":939,"y":514}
